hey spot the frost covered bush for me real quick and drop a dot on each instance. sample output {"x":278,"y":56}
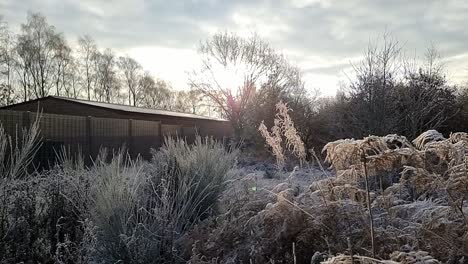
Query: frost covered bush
{"x":188,"y":205}
{"x":418,"y":201}
{"x":142,"y":210}
{"x":194,"y":174}
{"x":19,"y":214}
{"x":41,"y":213}
{"x":115,"y":211}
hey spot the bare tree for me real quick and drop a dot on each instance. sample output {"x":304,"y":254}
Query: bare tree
{"x":181,"y":101}
{"x":7,"y":64}
{"x":424,"y":99}
{"x":373,"y":90}
{"x":62,"y":60}
{"x":87,"y":52}
{"x":37,"y":49}
{"x":233,"y":68}
{"x":108,"y":83}
{"x":157,"y":93}
{"x":192,"y":101}
{"x":196,"y":101}
{"x":71,"y":78}
{"x":22,"y":65}
{"x":131,"y":70}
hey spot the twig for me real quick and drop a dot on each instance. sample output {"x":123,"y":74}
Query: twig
{"x":294,"y":252}
{"x":369,"y":208}
{"x":350,"y":246}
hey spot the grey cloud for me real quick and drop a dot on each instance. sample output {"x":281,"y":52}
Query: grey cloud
{"x":338,"y":29}
{"x":328,"y":70}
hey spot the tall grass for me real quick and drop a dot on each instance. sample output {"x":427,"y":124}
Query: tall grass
{"x":142,"y":209}
{"x":193,"y":175}
{"x":116,"y":211}
{"x":16,"y":154}
{"x":283,"y":136}
{"x":17,"y":193}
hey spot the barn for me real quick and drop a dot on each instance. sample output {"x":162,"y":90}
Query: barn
{"x":90,"y":126}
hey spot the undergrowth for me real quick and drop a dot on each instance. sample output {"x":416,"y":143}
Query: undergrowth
{"x":387,"y":200}
{"x":116,"y":211}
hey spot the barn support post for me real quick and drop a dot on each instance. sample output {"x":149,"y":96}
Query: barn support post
{"x":131,"y":149}
{"x":24,"y":127}
{"x":161,"y":139}
{"x":89,"y":139}
{"x":26,"y":120}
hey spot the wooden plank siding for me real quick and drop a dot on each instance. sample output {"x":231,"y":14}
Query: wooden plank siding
{"x":88,"y":128}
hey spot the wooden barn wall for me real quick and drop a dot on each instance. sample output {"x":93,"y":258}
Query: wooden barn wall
{"x":146,"y":135}
{"x":58,"y":132}
{"x":11,"y":121}
{"x":89,"y":134}
{"x":111,"y":134}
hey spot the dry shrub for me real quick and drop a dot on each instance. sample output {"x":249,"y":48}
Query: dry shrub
{"x":143,"y":210}
{"x":266,"y":234}
{"x":343,"y":153}
{"x":389,"y":154}
{"x":340,"y":188}
{"x":427,"y":137}
{"x":283,"y":128}
{"x":293,"y":140}
{"x":428,"y":199}
{"x":413,"y":257}
{"x":395,"y":141}
{"x":347,"y":191}
{"x":392,"y":159}
{"x":417,"y":209}
{"x":346,"y":152}
{"x":421,"y":182}
{"x":344,"y":259}
{"x":458,"y":136}
{"x":384,"y":158}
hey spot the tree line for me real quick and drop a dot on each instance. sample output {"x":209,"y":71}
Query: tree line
{"x":39,"y":61}
{"x":241,"y":79}
{"x":387,"y":92}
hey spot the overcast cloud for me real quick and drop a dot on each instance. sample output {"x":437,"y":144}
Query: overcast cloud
{"x":321,"y":36}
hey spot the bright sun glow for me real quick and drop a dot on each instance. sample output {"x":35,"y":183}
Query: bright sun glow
{"x":165,"y":63}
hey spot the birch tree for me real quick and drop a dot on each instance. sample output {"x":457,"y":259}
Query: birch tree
{"x":131,"y":71}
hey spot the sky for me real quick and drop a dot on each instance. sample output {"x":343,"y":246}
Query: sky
{"x":322,"y":37}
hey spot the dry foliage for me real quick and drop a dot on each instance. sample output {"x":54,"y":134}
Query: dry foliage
{"x":417,"y":196}
{"x":427,"y":137}
{"x":183,"y":207}
{"x":283,"y":128}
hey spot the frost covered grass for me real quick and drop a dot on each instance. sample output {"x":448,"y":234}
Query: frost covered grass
{"x":117,"y":211}
{"x":190,"y":203}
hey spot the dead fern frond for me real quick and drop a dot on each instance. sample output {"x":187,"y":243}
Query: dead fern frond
{"x":395,"y":141}
{"x":348,"y":191}
{"x":426,"y":137}
{"x":344,"y":259}
{"x":458,"y":136}
{"x":413,"y":257}
{"x":342,"y":154}
{"x":419,"y":179}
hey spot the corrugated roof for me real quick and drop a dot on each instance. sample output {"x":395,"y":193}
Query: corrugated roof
{"x":134,"y":109}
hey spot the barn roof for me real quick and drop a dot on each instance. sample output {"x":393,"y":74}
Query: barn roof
{"x":128,"y":108}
